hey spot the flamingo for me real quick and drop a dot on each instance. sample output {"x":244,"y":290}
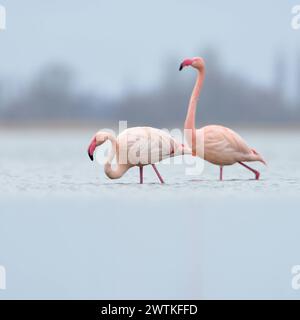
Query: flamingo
{"x":221,"y":146}
{"x":137,"y":146}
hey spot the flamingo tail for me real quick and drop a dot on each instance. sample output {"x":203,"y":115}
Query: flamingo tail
{"x":259,"y":157}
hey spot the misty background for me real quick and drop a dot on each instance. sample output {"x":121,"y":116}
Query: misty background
{"x":98,"y":61}
{"x":66,"y":230}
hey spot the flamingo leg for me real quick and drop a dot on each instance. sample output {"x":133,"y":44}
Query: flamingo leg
{"x":141,"y":175}
{"x":257,"y":174}
{"x":158,"y":174}
{"x":221,"y":173}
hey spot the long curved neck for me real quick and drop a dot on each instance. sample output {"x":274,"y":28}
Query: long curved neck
{"x":189,"y":125}
{"x":120,"y":168}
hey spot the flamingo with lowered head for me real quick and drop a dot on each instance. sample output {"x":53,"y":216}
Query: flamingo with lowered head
{"x":216,"y":144}
{"x":138,"y":146}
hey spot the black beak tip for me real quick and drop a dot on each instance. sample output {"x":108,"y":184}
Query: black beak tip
{"x":91,"y":157}
{"x":180,"y":67}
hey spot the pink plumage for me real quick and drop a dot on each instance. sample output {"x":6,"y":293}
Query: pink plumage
{"x":216,"y":144}
{"x":138,"y":146}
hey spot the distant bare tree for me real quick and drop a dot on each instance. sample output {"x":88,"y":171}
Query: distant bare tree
{"x":226,"y":98}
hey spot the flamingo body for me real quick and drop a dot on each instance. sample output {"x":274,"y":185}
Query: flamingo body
{"x":223,"y":146}
{"x":216,"y":144}
{"x":137,"y":146}
{"x":145,"y":145}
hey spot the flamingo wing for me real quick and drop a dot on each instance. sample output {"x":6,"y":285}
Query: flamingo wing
{"x":146,"y":145}
{"x":223,"y":146}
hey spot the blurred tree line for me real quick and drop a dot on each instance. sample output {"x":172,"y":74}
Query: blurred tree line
{"x":226,"y":98}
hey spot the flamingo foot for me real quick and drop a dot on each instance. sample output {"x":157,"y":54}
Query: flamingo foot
{"x":257,"y":174}
{"x":221,"y":173}
{"x":158,"y":174}
{"x":141,"y":175}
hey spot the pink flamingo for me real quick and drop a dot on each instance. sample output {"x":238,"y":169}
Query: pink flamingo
{"x":138,"y":146}
{"x":221,"y":146}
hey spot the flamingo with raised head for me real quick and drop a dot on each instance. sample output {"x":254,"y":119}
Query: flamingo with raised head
{"x":138,"y":146}
{"x":216,"y":144}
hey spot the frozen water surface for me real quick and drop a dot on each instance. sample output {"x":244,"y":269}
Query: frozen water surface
{"x":66,"y":231}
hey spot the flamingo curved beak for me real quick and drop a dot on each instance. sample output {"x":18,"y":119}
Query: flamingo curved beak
{"x":91,"y":156}
{"x":185,"y":63}
{"x":92,"y":148}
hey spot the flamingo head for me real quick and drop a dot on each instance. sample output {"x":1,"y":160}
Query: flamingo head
{"x":99,"y":138}
{"x":196,"y":62}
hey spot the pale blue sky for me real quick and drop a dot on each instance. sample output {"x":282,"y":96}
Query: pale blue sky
{"x":113,"y":42}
